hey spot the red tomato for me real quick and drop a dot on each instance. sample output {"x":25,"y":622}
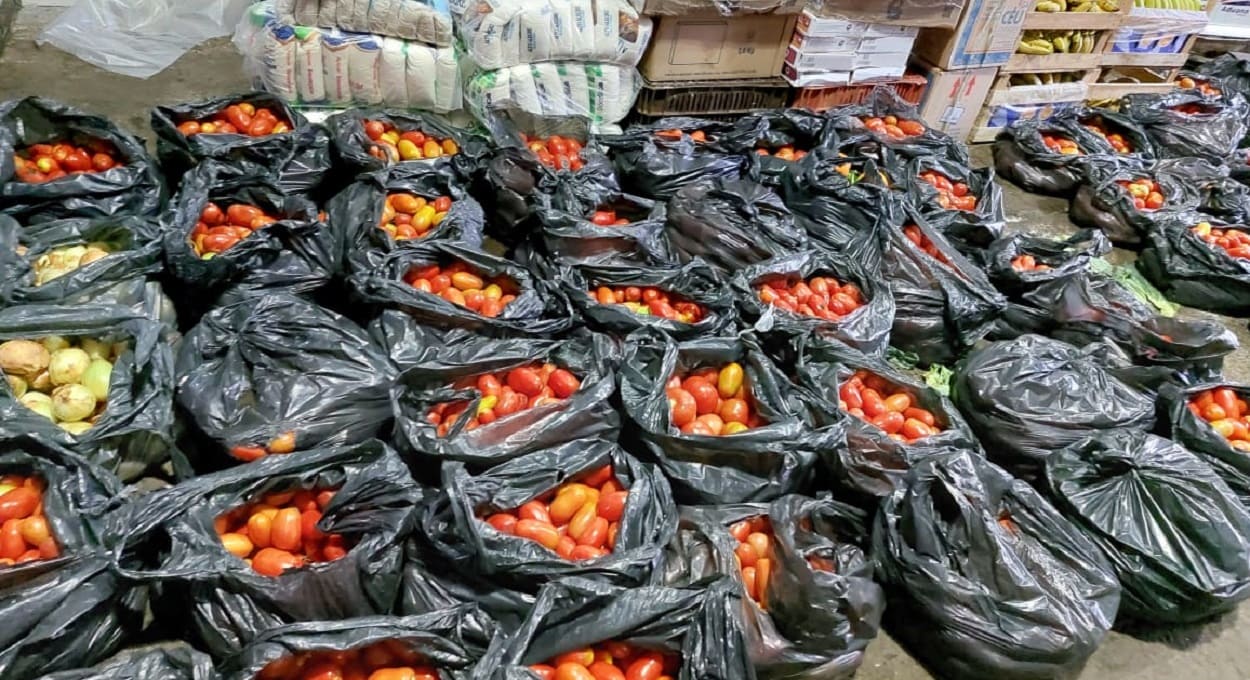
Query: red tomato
{"x":563,"y":383}
{"x":612,"y":505}
{"x":272,"y":562}
{"x":706,"y":396}
{"x":682,"y":406}
{"x":525,"y":381}
{"x":648,"y":666}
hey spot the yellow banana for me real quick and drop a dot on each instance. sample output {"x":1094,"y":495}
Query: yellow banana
{"x":1048,"y":6}
{"x":1078,"y":42}
{"x":1061,"y":44}
{"x":1035,"y":47}
{"x":1082,"y":7}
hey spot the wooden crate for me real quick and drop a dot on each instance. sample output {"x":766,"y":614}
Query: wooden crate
{"x":1143,"y":80}
{"x":1015,"y":102}
{"x":720,"y":97}
{"x":1063,"y":21}
{"x":1147,"y":59}
{"x":1066,"y":61}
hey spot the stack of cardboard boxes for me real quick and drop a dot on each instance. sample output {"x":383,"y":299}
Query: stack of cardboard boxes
{"x":830,"y":51}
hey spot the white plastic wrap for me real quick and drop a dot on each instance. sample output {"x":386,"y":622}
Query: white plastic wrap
{"x":602,"y":93}
{"x":427,"y":21}
{"x":139,"y":38}
{"x":503,"y":33}
{"x":329,"y":67}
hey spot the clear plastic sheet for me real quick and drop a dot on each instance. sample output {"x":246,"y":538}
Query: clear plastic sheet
{"x":139,"y":38}
{"x":328,"y":67}
{"x":602,"y":93}
{"x":503,"y":33}
{"x":426,"y":21}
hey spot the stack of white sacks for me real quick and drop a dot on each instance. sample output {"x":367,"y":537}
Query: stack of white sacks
{"x":552,"y":58}
{"x":391,"y":53}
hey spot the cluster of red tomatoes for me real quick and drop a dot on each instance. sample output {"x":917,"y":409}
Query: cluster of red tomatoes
{"x":675,"y":134}
{"x":893,"y":126}
{"x":283,"y":443}
{"x":39,"y":163}
{"x":393,"y":146}
{"x":505,"y":393}
{"x":1115,"y":139}
{"x":579,"y":522}
{"x":873,"y":400}
{"x":712,"y":402}
{"x":237,"y":119}
{"x":951,"y":195}
{"x":460,"y":284}
{"x":280,"y":532}
{"x":25,"y":534}
{"x":219,"y":231}
{"x":606,"y":217}
{"x":1146,"y":193}
{"x":1028,"y":263}
{"x":754,"y":555}
{"x":822,"y":297}
{"x":785,"y":153}
{"x":406,"y":216}
{"x":1235,"y":242}
{"x":1191,"y":109}
{"x":650,"y":301}
{"x":385,"y":660}
{"x":918,"y":239}
{"x":1226,"y":412}
{"x":610,"y":661}
{"x":1061,"y":145}
{"x":561,"y":153}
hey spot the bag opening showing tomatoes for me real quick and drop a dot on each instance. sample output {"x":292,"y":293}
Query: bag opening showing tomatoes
{"x":560,"y":153}
{"x":237,"y":119}
{"x":25,"y":534}
{"x":1145,"y":192}
{"x":951,"y":195}
{"x":577,"y":521}
{"x":406,"y":216}
{"x":504,"y":394}
{"x":610,"y":661}
{"x":1227,"y":413}
{"x":460,"y":284}
{"x":279,"y":532}
{"x":385,"y":660}
{"x":1235,"y":242}
{"x":893,"y":126}
{"x":39,"y":163}
{"x":821,"y":297}
{"x":874,"y":400}
{"x":393,"y":145}
{"x":220,"y":230}
{"x":650,"y":301}
{"x":712,"y":402}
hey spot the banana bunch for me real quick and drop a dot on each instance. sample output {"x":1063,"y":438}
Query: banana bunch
{"x":1045,"y":78}
{"x":1057,"y":42}
{"x":1087,"y":5}
{"x":1187,"y":5}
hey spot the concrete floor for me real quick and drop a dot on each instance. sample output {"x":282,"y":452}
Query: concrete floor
{"x":1216,"y":651}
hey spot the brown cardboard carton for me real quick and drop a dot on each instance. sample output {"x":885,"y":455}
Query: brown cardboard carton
{"x":987,"y":35}
{"x":722,"y":7}
{"x":714,"y":47}
{"x":920,"y":13}
{"x":954,"y":99}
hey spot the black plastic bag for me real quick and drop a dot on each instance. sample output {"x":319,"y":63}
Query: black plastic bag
{"x":125,"y":277}
{"x":452,"y":639}
{"x":818,"y":619}
{"x":538,"y":310}
{"x":177,"y":661}
{"x":1231,"y":69}
{"x":356,"y":212}
{"x":351,"y":145}
{"x":801,"y":131}
{"x":731,"y":224}
{"x":1180,"y":423}
{"x":653,"y":162}
{"x":1191,"y":272}
{"x":873,"y":464}
{"x":271,"y":367}
{"x":756,"y":465}
{"x":984,"y":579}
{"x":1083,"y":309}
{"x":299,"y":160}
{"x":433,"y":361}
{"x":1022,"y":157}
{"x":1029,"y":397}
{"x":78,"y":608}
{"x":300,"y":252}
{"x":1102,"y":203}
{"x":692,"y":282}
{"x":1069,"y":257}
{"x":133,"y":188}
{"x":1213,"y":131}
{"x":1177,"y":536}
{"x":511,"y":569}
{"x":699,"y":624}
{"x":512,"y":183}
{"x":1111,"y":127}
{"x":867,"y":328}
{"x":221,"y":600}
{"x":979,"y":183}
{"x":942,"y":304}
{"x":134,"y":433}
{"x":883,"y":102}
{"x":834,"y":199}
{"x":573,"y":237}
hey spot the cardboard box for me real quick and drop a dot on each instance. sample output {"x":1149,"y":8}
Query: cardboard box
{"x":987,"y":35}
{"x":954,"y":99}
{"x":714,"y":47}
{"x":815,"y":25}
{"x":822,"y":79}
{"x":886,"y":44}
{"x":722,"y":7}
{"x":819,"y":43}
{"x":921,"y":13}
{"x":804,"y":62}
{"x":871,"y":73}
